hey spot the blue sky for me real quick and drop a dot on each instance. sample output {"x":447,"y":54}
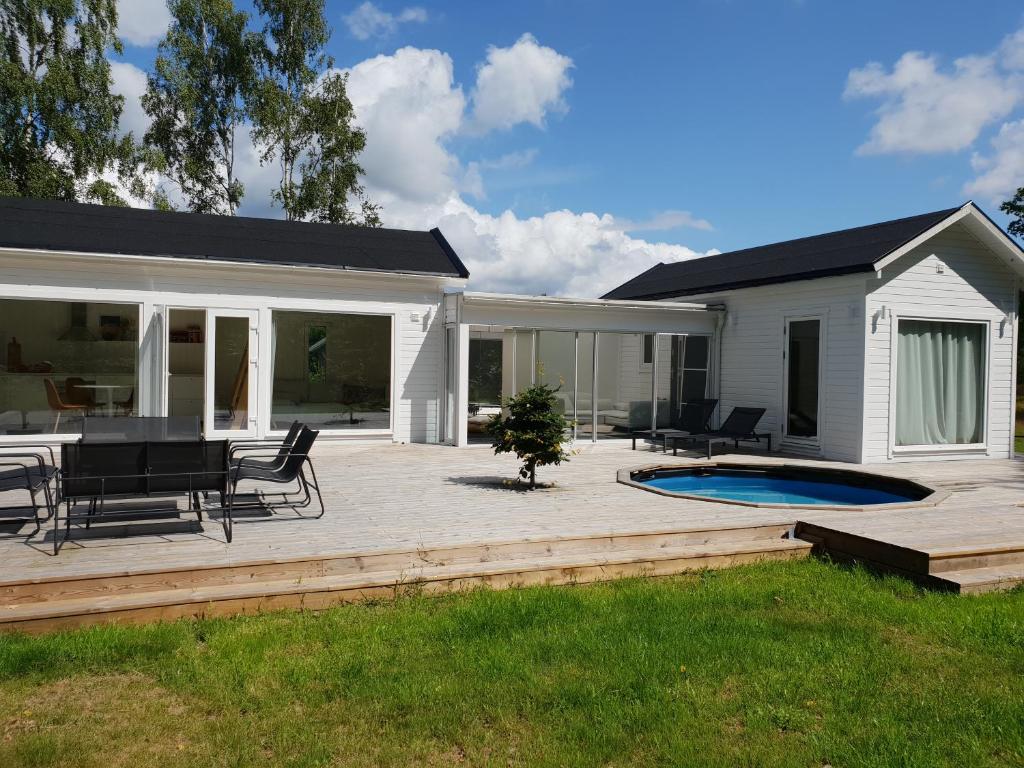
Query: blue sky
{"x":708,"y":125}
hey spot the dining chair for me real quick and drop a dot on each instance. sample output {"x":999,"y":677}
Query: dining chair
{"x":58,"y":405}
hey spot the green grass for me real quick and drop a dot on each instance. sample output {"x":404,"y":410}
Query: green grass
{"x":801,"y":663}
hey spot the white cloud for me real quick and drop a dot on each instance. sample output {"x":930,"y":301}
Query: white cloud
{"x":409,"y":105}
{"x":367,"y":20}
{"x":665,"y":220}
{"x":130,"y":81}
{"x":560,"y":253}
{"x":142,"y":22}
{"x":411,"y":108}
{"x":1001,"y":173}
{"x":520,"y":84}
{"x":925,"y":110}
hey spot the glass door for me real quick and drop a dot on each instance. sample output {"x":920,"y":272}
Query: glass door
{"x":803,"y":352}
{"x":231,"y":349}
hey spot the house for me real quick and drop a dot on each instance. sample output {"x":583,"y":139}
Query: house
{"x":892,"y":341}
{"x":246,"y":324}
{"x":370,"y":334}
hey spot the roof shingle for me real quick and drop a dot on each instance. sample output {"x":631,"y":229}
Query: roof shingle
{"x":833,"y":253}
{"x":83,"y":228}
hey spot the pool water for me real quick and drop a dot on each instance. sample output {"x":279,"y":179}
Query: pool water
{"x":764,"y":487}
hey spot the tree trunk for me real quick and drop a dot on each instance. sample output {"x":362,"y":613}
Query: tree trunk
{"x":533,"y":475}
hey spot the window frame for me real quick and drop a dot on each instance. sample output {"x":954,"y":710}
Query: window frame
{"x":266,"y":401}
{"x":86,"y":296}
{"x":942,"y":448}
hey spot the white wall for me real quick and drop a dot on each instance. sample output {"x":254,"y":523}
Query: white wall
{"x":972,"y":286}
{"x":752,"y":366}
{"x":413,"y":302}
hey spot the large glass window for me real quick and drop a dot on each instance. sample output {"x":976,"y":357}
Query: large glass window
{"x":802,"y":373}
{"x":556,"y":367}
{"x":485,"y":372}
{"x":940,"y":383}
{"x":624,"y":385}
{"x":61,"y":361}
{"x":332,"y":371}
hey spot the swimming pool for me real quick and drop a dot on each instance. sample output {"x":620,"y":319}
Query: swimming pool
{"x":779,"y":485}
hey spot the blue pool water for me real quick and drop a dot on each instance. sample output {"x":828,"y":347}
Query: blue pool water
{"x":765,"y":488}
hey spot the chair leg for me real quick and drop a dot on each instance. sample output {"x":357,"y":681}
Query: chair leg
{"x":226,"y":519}
{"x":56,"y":423}
{"x":316,"y":487}
{"x":199,"y":509}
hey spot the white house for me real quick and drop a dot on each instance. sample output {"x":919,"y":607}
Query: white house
{"x":891,"y":341}
{"x":369,"y":334}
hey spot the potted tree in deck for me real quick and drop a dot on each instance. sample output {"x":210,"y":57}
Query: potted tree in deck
{"x":533,"y":430}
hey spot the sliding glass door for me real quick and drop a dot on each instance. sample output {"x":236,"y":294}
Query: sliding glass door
{"x":940,"y":383}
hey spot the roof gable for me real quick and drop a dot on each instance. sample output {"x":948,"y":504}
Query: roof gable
{"x":835,"y":253}
{"x":82,"y":228}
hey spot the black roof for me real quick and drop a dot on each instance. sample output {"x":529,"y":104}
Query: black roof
{"x":834,"y":253}
{"x":78,"y":227}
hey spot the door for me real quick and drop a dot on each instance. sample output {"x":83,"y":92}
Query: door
{"x":803,"y":378}
{"x":230,"y":384}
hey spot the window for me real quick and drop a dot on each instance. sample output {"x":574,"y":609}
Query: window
{"x":485,"y":372}
{"x":61,"y":361}
{"x":332,"y":371}
{"x":648,"y":354}
{"x":940,"y":382}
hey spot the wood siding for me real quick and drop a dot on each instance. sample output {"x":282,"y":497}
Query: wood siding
{"x":973,"y":285}
{"x":413,"y":302}
{"x":752,"y":365}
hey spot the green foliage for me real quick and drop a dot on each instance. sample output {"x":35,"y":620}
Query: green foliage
{"x":204,"y":70}
{"x":534,"y":430}
{"x":58,"y":117}
{"x":1015,"y":208}
{"x":302,"y":117}
{"x":781,"y":664}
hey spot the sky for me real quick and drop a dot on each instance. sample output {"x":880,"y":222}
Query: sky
{"x":564,"y":146}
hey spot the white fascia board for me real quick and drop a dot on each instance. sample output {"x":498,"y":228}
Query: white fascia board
{"x":980,"y":225}
{"x":174,"y":262}
{"x":512,"y":299}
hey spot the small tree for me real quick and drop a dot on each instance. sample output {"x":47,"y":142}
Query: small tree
{"x":533,"y":430}
{"x":1015,"y":208}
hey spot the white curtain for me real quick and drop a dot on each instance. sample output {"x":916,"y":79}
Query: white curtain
{"x":939,"y":382}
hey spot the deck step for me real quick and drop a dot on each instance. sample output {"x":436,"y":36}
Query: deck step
{"x":990,"y":579}
{"x":970,"y":556}
{"x":340,"y":564}
{"x":322,"y":591}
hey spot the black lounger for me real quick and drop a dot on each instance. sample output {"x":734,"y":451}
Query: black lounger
{"x":693,"y":420}
{"x":741,"y":425}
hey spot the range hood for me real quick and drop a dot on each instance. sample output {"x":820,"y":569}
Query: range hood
{"x":78,"y":329}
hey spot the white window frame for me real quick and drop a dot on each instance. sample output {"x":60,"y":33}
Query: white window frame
{"x":817,"y":441}
{"x":267,"y":378}
{"x":86,"y":296}
{"x":947,"y":448}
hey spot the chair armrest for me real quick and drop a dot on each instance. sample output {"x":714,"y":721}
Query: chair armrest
{"x":44,"y":446}
{"x":255,"y":445}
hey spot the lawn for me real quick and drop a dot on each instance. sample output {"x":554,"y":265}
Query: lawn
{"x":801,"y":663}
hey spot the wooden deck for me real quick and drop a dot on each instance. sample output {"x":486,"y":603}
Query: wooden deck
{"x":446,"y":518}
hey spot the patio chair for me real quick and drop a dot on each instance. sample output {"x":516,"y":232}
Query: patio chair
{"x":740,"y":425}
{"x":693,"y":420}
{"x":58,"y":405}
{"x":28,"y":470}
{"x":283,"y":448}
{"x":292,"y":470}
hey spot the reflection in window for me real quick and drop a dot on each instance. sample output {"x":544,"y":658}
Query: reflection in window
{"x":332,"y":371}
{"x":61,"y":361}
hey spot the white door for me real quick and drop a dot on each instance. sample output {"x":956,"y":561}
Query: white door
{"x":230,"y":381}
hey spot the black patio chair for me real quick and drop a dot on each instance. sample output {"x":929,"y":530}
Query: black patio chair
{"x":284,"y":447}
{"x":693,"y":419}
{"x":292,"y":470}
{"x":741,"y":425}
{"x":28,"y":470}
